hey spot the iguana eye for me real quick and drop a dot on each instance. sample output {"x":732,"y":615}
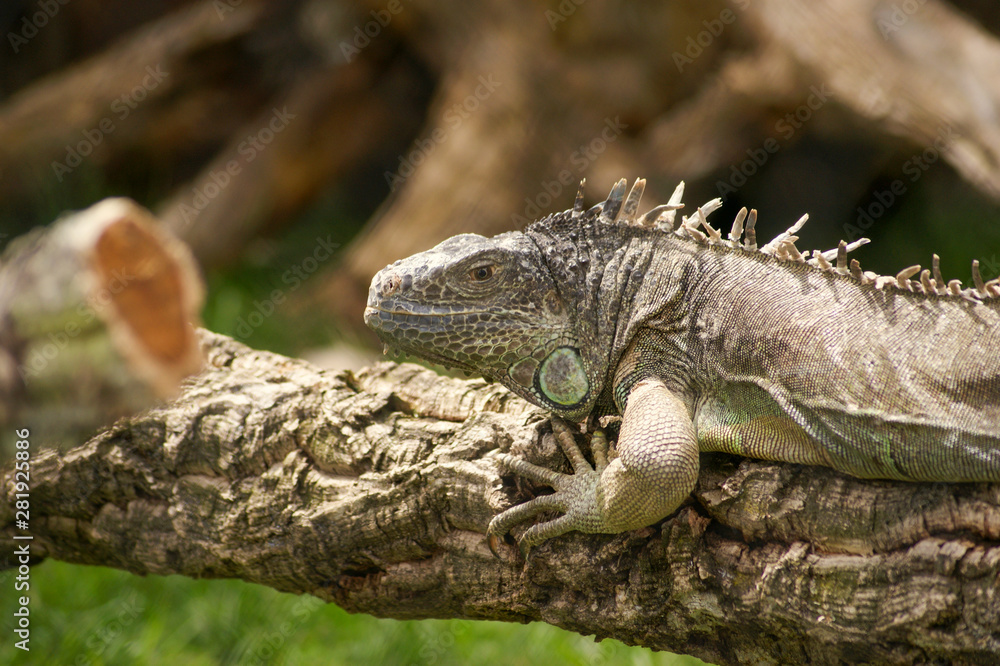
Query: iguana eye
{"x":482,"y":273}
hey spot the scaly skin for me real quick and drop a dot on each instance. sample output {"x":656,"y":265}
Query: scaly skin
{"x":703,"y":344}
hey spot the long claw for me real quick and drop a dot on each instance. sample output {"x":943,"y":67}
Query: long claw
{"x":502,"y":522}
{"x":494,"y":541}
{"x":536,"y":534}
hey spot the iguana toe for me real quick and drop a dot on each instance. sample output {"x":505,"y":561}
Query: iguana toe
{"x":575,"y":496}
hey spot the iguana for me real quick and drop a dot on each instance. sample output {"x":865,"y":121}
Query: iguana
{"x":703,"y":343}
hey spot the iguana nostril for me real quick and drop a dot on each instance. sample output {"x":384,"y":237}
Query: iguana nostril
{"x":390,"y":285}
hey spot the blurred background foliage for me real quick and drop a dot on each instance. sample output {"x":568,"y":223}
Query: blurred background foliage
{"x":299,"y":146}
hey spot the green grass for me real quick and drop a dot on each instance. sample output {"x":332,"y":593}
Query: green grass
{"x":94,"y":616}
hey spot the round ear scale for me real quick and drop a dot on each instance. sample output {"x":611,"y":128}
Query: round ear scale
{"x":562,"y":377}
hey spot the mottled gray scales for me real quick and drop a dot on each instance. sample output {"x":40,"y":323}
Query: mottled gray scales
{"x":703,"y":342}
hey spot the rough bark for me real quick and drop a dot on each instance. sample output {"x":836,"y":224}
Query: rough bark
{"x":373,"y":491}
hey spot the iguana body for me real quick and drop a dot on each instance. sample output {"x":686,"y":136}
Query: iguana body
{"x":703,"y":344}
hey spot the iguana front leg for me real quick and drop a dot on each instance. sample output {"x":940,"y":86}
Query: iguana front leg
{"x":656,"y":468}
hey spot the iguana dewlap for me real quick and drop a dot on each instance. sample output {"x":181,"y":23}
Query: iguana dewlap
{"x":703,"y":343}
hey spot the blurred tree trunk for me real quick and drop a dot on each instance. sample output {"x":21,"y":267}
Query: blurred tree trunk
{"x":454,"y":117}
{"x":372,"y":491}
{"x":703,"y":92}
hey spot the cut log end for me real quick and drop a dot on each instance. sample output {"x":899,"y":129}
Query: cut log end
{"x":147,"y":290}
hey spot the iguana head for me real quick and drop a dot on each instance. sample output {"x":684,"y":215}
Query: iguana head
{"x":536,"y":311}
{"x":487,"y":306}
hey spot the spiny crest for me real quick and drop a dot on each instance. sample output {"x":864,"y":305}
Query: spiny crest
{"x":619,"y":209}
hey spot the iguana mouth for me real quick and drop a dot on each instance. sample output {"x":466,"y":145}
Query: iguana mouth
{"x":375,"y":321}
{"x":371,"y":311}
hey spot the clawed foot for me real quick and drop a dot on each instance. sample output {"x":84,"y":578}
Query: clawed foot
{"x":576,"y":495}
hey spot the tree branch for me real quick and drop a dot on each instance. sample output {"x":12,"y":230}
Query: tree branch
{"x":373,"y":491}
